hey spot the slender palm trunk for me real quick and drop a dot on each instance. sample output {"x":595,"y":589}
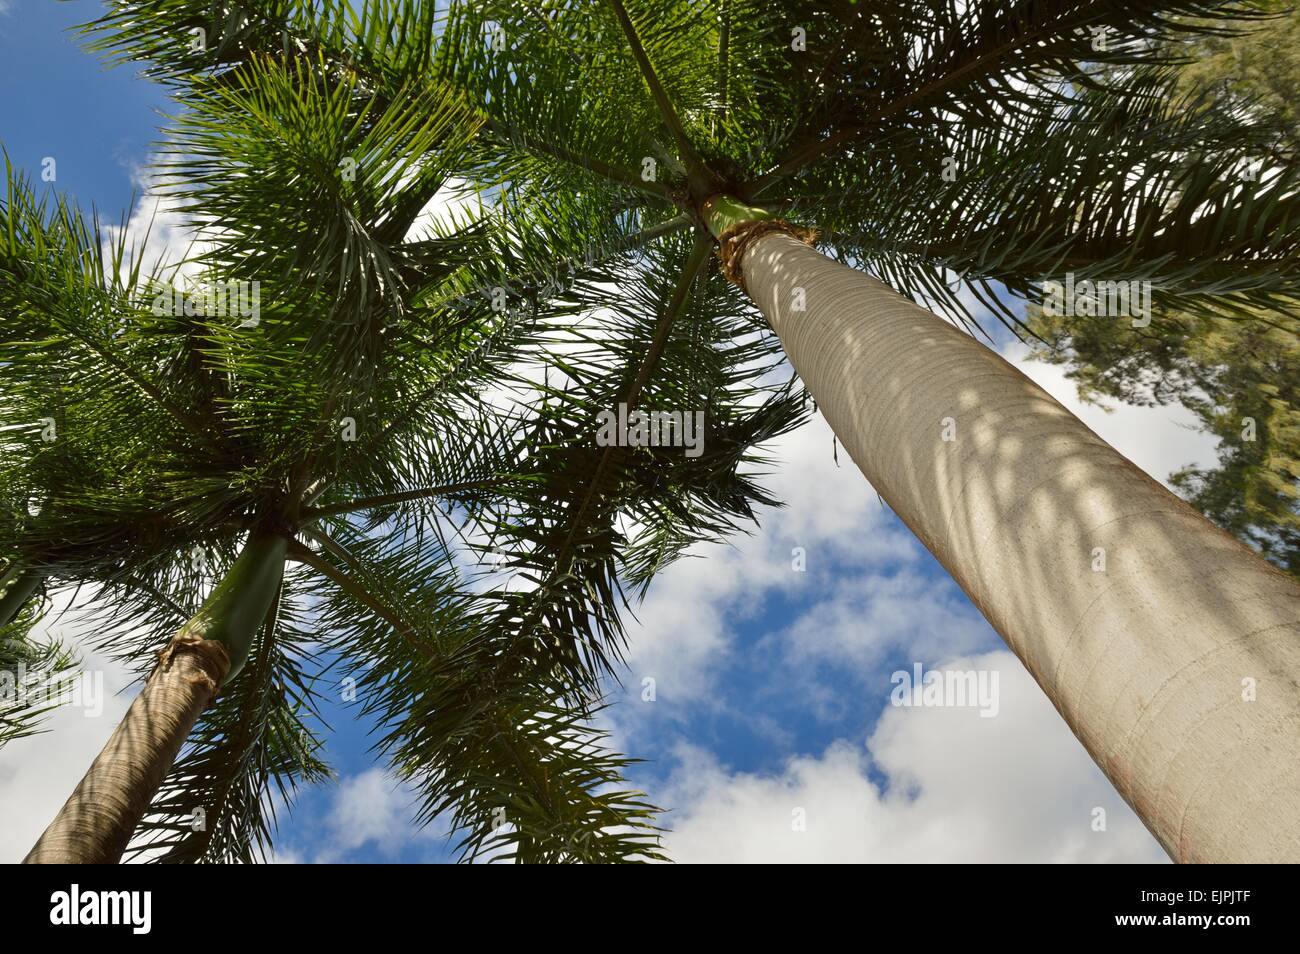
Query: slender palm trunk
{"x":96,"y":823}
{"x":17,"y":585}
{"x":1171,"y":649}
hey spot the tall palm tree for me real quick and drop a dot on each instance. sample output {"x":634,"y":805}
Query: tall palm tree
{"x":224,"y":449}
{"x":1008,"y":143}
{"x":483,"y":697}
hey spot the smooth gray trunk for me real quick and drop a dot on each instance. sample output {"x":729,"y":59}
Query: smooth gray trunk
{"x":1170,"y":648}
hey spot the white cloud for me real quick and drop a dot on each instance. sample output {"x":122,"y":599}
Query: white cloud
{"x":370,"y":808}
{"x":687,"y":620}
{"x":452,"y":207}
{"x":865,"y":616}
{"x":370,"y":811}
{"x":958,"y":788}
{"x":159,"y":233}
{"x":38,"y":773}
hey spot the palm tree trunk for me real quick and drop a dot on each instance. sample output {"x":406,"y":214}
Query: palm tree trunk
{"x":97,"y":821}
{"x":17,"y":585}
{"x":1171,"y":649}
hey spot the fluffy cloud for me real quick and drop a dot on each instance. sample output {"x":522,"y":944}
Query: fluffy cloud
{"x":863,"y":617}
{"x":833,"y":521}
{"x":370,"y":809}
{"x":159,"y":233}
{"x":364,"y":815}
{"x":949,"y":786}
{"x":452,"y":207}
{"x":38,"y":773}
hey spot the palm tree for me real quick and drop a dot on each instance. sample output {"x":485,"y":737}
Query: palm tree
{"x":42,"y":262}
{"x":1008,"y":143}
{"x":488,"y":718}
{"x":224,"y":448}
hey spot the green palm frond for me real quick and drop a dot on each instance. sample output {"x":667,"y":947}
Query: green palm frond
{"x":1153,"y":207}
{"x":472,"y":719}
{"x":269,"y":398}
{"x":35,"y":675}
{"x":476,"y":358}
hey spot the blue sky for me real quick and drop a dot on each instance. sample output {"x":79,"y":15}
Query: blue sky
{"x":95,"y":121}
{"x":771,"y":683}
